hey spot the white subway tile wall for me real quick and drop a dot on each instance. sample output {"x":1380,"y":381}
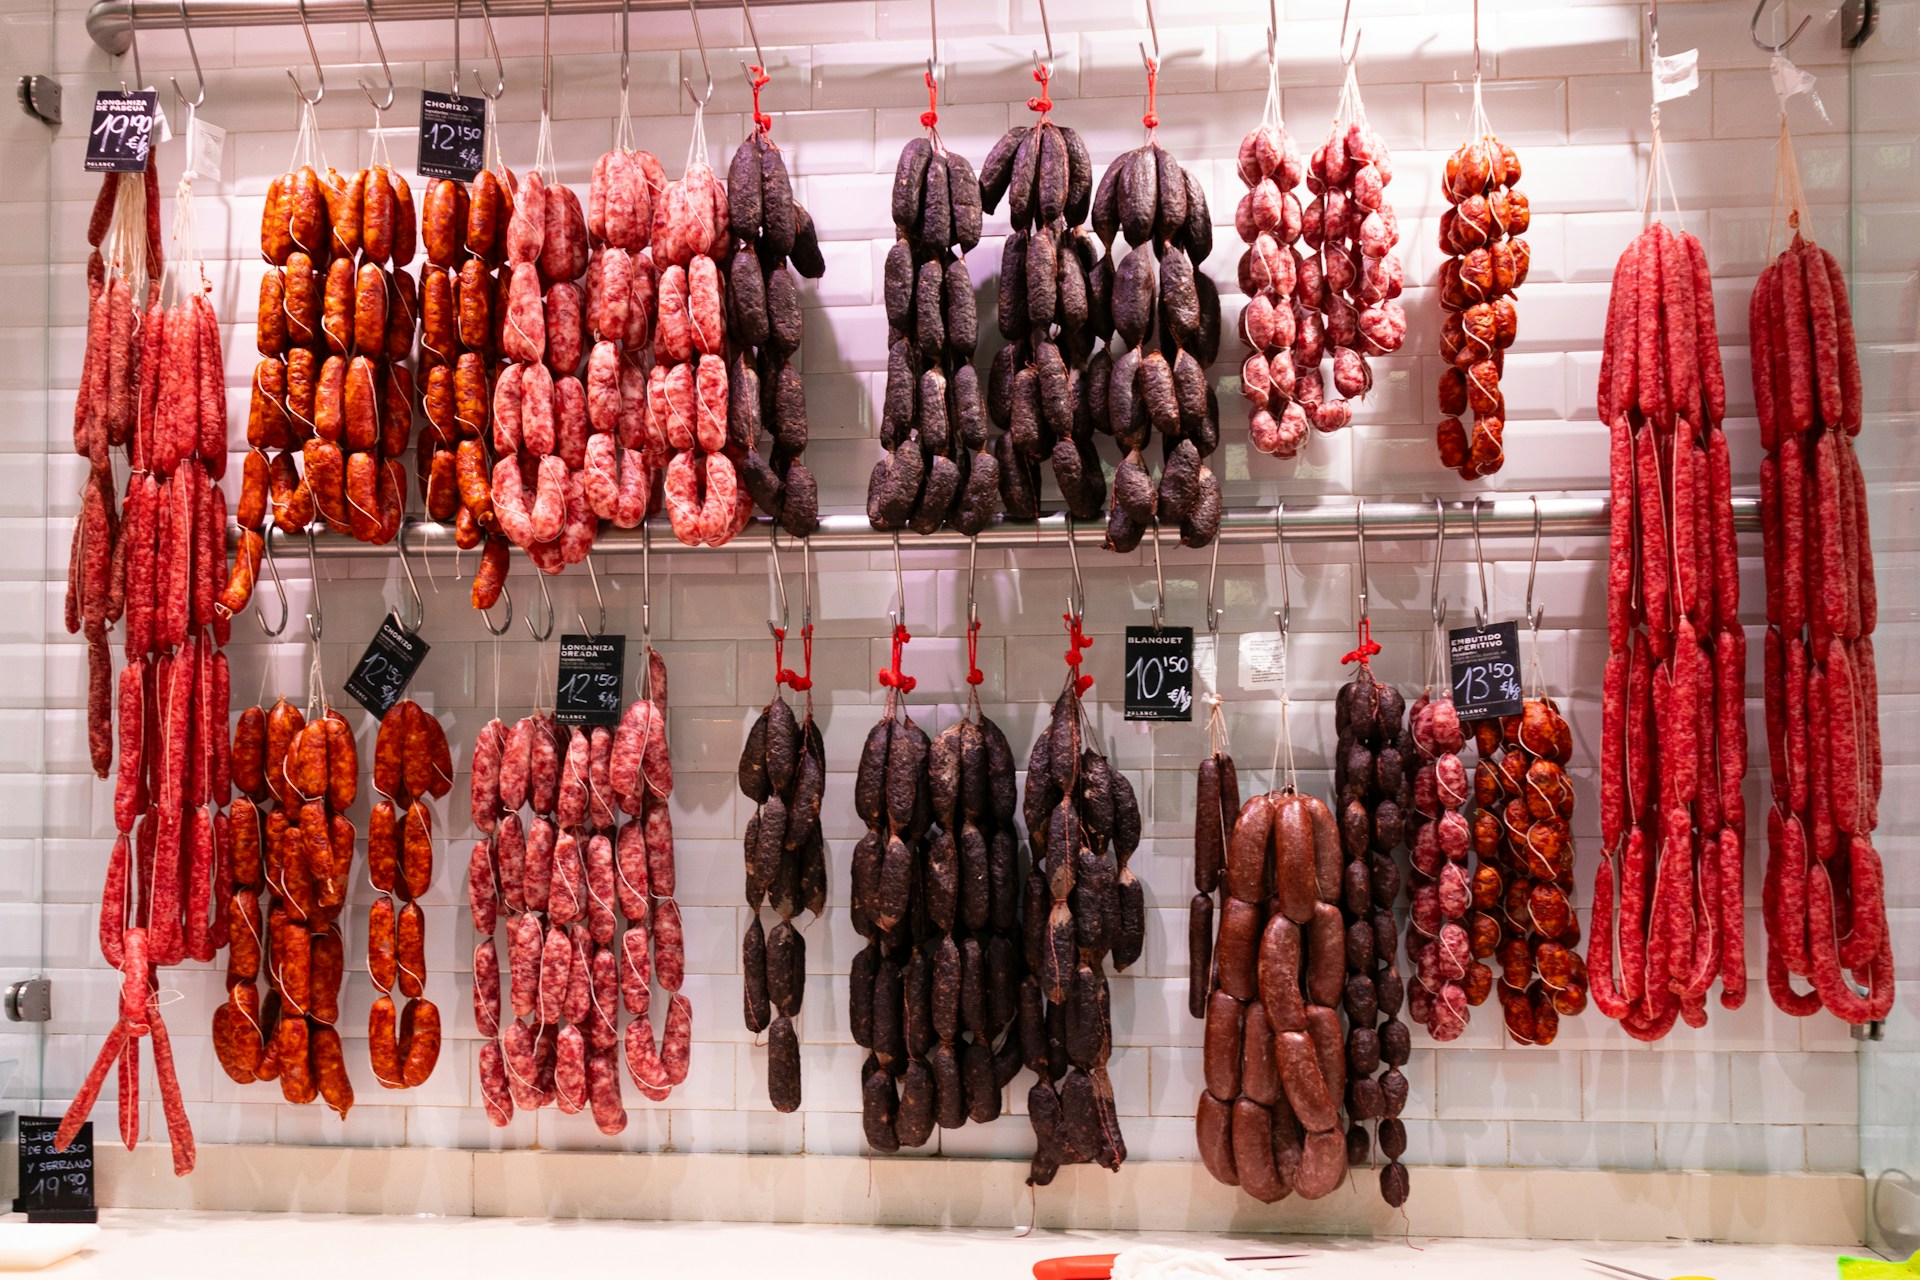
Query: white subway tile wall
{"x":1755,"y":1090}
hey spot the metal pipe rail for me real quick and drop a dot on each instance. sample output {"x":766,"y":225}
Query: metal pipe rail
{"x":1328,"y":522}
{"x":112,"y":23}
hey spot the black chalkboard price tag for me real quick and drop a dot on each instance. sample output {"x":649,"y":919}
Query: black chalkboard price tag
{"x":122,"y":136}
{"x":1484,"y":665}
{"x":1159,"y":673}
{"x":384,"y":670}
{"x":55,"y":1186}
{"x":453,"y":135}
{"x":591,"y":672}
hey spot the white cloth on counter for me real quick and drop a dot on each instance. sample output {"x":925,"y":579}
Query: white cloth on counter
{"x":1158,"y":1262}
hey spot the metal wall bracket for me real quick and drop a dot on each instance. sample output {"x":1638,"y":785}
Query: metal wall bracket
{"x":1869,"y":1031}
{"x":40,"y":98}
{"x":30,"y":1000}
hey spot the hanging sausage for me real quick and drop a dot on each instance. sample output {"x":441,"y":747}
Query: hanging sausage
{"x":1151,"y":376}
{"x":411,"y":764}
{"x":775,"y":237}
{"x":1052,"y":312}
{"x":939,"y":467}
{"x":1268,"y":219}
{"x":1673,"y":727}
{"x":1082,"y":903}
{"x":1824,"y":897}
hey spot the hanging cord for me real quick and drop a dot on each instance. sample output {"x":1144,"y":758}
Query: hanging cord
{"x":1788,"y":192}
{"x":758,"y":78}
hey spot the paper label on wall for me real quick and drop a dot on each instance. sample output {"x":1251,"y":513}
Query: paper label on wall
{"x":1676,"y":76}
{"x":1790,"y":81}
{"x":1206,"y":662}
{"x":205,"y":145}
{"x":1263,"y":659}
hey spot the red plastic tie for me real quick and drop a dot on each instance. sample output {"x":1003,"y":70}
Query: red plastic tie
{"x":891,"y":677}
{"x":931,"y":116}
{"x":785,"y":675}
{"x":1365,"y":650}
{"x":761,"y":121}
{"x":975,"y":675}
{"x":1042,"y":103}
{"x":1152,"y":118}
{"x":1078,"y":642}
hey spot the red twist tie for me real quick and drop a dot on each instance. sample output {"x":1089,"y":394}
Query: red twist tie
{"x":931,"y":116}
{"x":891,"y":677}
{"x":975,"y":675}
{"x":1152,"y":118}
{"x":758,"y":77}
{"x":1365,"y":650}
{"x":1041,"y":103}
{"x":1077,"y":643}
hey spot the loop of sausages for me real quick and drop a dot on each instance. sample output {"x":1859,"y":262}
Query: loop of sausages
{"x":1673,"y":741}
{"x":1164,"y":315}
{"x":1482,"y":232}
{"x":1825,"y":899}
{"x":782,"y":770}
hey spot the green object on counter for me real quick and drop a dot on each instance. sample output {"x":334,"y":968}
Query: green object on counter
{"x":1878,"y":1269}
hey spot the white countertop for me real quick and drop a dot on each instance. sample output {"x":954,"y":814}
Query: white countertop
{"x":153,"y":1244}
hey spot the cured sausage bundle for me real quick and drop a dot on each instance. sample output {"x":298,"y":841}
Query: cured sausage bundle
{"x":783,"y":770}
{"x":1082,"y":903}
{"x":336,"y":322}
{"x":689,"y":391}
{"x":1346,"y":286}
{"x":1375,"y":801}
{"x":1217,"y":805}
{"x":939,"y":466}
{"x":1482,"y":232}
{"x":463,"y":229}
{"x":152,"y":384}
{"x":540,"y":421}
{"x":1269,"y":219}
{"x":1673,"y":725}
{"x":284,"y":887}
{"x":411,"y":764}
{"x":1448,"y":977}
{"x":1523,"y":889}
{"x":1151,"y":378}
{"x":774,"y":237}
{"x":1053,"y":312}
{"x":1824,"y":900}
{"x":625,"y":447}
{"x":1275,"y":1054}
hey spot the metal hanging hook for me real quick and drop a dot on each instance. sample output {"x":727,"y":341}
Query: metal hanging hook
{"x":759,"y":58}
{"x":1360,"y":521}
{"x":200,"y":91}
{"x":1476,"y":39}
{"x":1436,"y":604}
{"x":493,"y":49}
{"x":777,"y":625}
{"x":1213,"y":573}
{"x":419,"y":606}
{"x":1482,"y":610}
{"x":453,"y":75}
{"x":646,"y":583}
{"x":1077,"y":601}
{"x":700,"y":39}
{"x":1153,"y":29}
{"x":385,"y":69}
{"x":899,"y":585}
{"x":1533,"y":567}
{"x":1046,"y":29}
{"x":1753,"y":30}
{"x":933,"y":27}
{"x":133,"y":47}
{"x":315,"y":616}
{"x":319,"y":72}
{"x":273,"y":571}
{"x":546,"y":59}
{"x":486,"y":616}
{"x":599,"y":601}
{"x":1347,"y":55}
{"x":626,"y":49}
{"x":973,"y":605}
{"x":806,"y":583}
{"x":1159,"y":581}
{"x":1284,"y":614}
{"x":542,"y":634}
{"x":1273,"y":29}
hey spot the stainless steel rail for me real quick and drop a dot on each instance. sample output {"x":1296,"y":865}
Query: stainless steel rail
{"x":1326,"y":522}
{"x":111,"y":22}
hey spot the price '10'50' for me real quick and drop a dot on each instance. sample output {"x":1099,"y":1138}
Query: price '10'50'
{"x":1148,"y":677}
